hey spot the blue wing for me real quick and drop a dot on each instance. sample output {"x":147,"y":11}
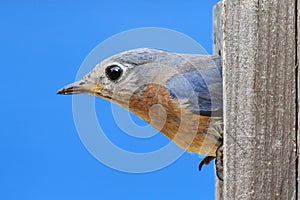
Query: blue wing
{"x":200,"y":90}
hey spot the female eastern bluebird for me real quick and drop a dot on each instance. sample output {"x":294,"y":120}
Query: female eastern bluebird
{"x":178,"y":94}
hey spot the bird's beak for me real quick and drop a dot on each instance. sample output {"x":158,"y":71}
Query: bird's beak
{"x":80,"y":87}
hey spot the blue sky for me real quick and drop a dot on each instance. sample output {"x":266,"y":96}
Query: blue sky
{"x":43,"y":44}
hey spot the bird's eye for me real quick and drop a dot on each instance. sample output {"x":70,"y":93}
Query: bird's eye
{"x":114,"y":72}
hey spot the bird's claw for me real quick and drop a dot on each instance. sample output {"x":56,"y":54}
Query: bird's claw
{"x":205,"y":161}
{"x":218,"y":162}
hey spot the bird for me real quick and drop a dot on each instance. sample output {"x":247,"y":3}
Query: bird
{"x":178,"y":94}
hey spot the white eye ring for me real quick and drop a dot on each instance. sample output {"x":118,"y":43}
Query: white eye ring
{"x":114,"y":72}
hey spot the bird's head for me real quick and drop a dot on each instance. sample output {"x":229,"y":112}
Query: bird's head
{"x":126,"y":76}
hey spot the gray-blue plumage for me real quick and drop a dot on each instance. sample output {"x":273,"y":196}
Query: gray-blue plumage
{"x":200,"y":90}
{"x":147,"y":77}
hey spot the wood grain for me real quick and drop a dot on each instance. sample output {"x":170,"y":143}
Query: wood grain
{"x":260,"y":88}
{"x":218,"y":50}
{"x":298,"y":95}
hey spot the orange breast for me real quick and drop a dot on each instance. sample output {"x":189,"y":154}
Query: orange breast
{"x":186,"y":129}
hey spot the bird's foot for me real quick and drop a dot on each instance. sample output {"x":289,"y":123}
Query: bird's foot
{"x":218,"y":162}
{"x":205,"y":161}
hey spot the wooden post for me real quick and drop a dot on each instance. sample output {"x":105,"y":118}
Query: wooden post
{"x":261,"y":95}
{"x":218,"y":48}
{"x":297,"y":12}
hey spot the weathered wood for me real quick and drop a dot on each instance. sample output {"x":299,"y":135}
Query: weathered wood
{"x":218,"y":45}
{"x":298,"y":95}
{"x":217,"y":28}
{"x":259,"y":99}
